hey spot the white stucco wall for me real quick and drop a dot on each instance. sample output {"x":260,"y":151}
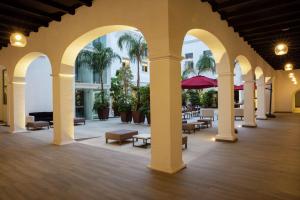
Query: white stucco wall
{"x":285,"y":90}
{"x":38,"y":89}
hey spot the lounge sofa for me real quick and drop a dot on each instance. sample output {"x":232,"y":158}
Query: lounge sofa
{"x":42,"y":116}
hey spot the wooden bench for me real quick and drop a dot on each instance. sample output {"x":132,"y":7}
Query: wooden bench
{"x":79,"y":120}
{"x":120,"y":135}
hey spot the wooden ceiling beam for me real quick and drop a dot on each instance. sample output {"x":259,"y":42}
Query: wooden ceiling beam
{"x":85,"y":2}
{"x":273,"y":6}
{"x":28,"y":10}
{"x":262,"y":21}
{"x":61,"y":7}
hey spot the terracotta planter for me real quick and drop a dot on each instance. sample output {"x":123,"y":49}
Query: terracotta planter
{"x":138,"y":117}
{"x":103,"y":114}
{"x":126,"y":117}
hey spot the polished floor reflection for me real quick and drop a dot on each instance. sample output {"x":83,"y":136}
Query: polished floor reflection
{"x":264,"y":164}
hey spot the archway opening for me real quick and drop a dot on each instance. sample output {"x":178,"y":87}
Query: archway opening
{"x":111,"y":83}
{"x":32,"y":93}
{"x":205,"y":59}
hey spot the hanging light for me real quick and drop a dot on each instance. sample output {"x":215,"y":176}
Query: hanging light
{"x":18,"y":40}
{"x":281,"y":49}
{"x":288,"y":67}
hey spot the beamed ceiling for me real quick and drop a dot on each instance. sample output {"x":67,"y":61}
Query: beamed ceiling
{"x":263,"y":24}
{"x":28,"y":15}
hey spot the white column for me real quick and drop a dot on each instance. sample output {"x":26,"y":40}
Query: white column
{"x":63,"y":108}
{"x":166,"y":133}
{"x":249,"y":104}
{"x":261,"y":105}
{"x":226,"y":108}
{"x":18,"y":88}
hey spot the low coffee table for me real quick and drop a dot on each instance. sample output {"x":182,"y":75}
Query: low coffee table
{"x":120,"y":135}
{"x":144,"y":137}
{"x":37,"y":125}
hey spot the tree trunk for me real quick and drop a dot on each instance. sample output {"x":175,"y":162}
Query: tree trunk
{"x":101,"y":87}
{"x":138,"y":84}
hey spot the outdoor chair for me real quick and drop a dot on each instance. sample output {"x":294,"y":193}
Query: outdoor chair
{"x":207,"y":113}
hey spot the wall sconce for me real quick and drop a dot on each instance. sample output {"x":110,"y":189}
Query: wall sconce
{"x":18,"y":40}
{"x":281,"y":49}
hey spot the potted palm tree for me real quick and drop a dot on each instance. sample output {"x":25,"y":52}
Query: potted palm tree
{"x":101,"y":106}
{"x":98,"y":59}
{"x":137,"y":51}
{"x":206,"y":63}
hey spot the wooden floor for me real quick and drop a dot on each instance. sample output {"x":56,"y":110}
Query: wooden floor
{"x":264,"y":164}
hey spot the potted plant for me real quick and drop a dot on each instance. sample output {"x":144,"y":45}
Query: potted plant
{"x":124,"y":107}
{"x":98,"y":59}
{"x":145,"y":101}
{"x":137,"y":52}
{"x":137,"y":115}
{"x":101,"y":106}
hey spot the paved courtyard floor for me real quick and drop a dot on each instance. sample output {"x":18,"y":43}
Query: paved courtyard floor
{"x":93,"y":134}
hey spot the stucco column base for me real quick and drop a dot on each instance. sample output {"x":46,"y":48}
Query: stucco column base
{"x":249,"y":125}
{"x":226,"y":129}
{"x":226,"y":138}
{"x":168,"y":170}
{"x":262,"y":118}
{"x":63,"y":142}
{"x":166,"y":123}
{"x":63,"y":107}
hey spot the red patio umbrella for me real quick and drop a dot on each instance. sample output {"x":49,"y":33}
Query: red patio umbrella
{"x":241,"y":87}
{"x":198,"y":82}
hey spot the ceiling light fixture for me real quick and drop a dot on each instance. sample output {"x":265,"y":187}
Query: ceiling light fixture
{"x":18,"y":40}
{"x":281,"y":49}
{"x":288,"y":67}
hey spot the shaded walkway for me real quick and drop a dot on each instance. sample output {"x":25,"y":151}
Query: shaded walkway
{"x":264,"y":164}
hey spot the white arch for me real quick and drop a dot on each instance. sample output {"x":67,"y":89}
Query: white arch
{"x":78,"y":44}
{"x":244,"y":64}
{"x":213,"y":43}
{"x":258,"y":72}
